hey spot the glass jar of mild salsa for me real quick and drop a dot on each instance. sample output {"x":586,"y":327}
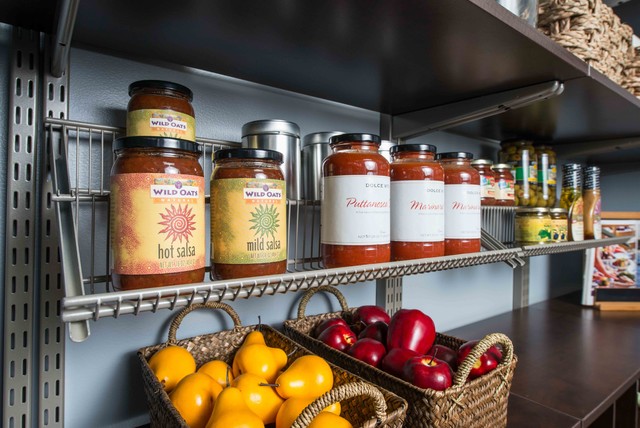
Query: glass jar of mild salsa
{"x":248,"y":214}
{"x":462,"y":203}
{"x":417,"y":202}
{"x":160,"y":109}
{"x":157,"y":231}
{"x":355,"y":212}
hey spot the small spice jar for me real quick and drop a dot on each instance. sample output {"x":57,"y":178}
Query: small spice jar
{"x":559,"y":224}
{"x":355,"y":215}
{"x":505,"y":185}
{"x":533,"y":226}
{"x":487,"y":181}
{"x":157,"y":213}
{"x":462,"y":203}
{"x":248,"y":214}
{"x":417,"y":202}
{"x":160,"y":109}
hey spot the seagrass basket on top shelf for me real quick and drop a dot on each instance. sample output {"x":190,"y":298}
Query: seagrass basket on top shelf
{"x":632,"y":74}
{"x":590,"y":30}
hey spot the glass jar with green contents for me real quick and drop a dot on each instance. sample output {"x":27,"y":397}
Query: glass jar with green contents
{"x":533,"y":226}
{"x":525,"y":165}
{"x":571,"y":200}
{"x":547,"y":193}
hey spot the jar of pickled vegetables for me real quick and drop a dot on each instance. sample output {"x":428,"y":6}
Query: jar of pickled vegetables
{"x":487,"y":181}
{"x":520,"y":154}
{"x":571,"y":200}
{"x":533,"y":226}
{"x":558,"y":224}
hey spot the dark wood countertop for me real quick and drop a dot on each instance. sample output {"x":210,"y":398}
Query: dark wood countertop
{"x":572,"y":359}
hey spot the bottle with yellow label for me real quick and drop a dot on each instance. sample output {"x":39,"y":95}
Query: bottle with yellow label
{"x":571,"y":200}
{"x":248,"y":214}
{"x":592,"y":203}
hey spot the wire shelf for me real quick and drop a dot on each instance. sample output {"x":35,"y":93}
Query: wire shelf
{"x":564,"y":247}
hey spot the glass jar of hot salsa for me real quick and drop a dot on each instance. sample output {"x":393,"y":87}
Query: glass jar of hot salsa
{"x":248,"y":214}
{"x":157,"y":230}
{"x":487,"y":181}
{"x":160,"y":109}
{"x":355,"y":214}
{"x":417,"y":202}
{"x":505,"y":185}
{"x":462,"y":203}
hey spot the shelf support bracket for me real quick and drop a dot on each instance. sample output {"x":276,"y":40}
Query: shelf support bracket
{"x":66,"y":19}
{"x":416,"y":123}
{"x":521,"y":285}
{"x":389,"y":294}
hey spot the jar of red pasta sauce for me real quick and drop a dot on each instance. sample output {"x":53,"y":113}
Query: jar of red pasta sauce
{"x":462,"y":203}
{"x":248,"y":214}
{"x":505,"y":185}
{"x":487,"y":181}
{"x":417,"y":202}
{"x":160,"y":109}
{"x":355,"y":214}
{"x":157,"y":209}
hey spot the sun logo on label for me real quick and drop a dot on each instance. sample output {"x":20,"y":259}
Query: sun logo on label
{"x":178,"y":223}
{"x":265,"y":220}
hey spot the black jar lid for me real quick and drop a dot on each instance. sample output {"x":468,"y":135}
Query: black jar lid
{"x":354,"y":137}
{"x":245,"y":153}
{"x":137,"y":142}
{"x":412,"y":148}
{"x":161,"y":84}
{"x":455,"y":155}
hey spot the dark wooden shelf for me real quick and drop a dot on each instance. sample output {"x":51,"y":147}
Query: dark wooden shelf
{"x":572,"y":359}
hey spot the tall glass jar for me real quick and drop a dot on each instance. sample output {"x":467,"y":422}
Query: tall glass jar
{"x":571,"y":200}
{"x":355,"y":214}
{"x":462,"y":203}
{"x":592,"y":203}
{"x":248,"y":214}
{"x":525,"y":165}
{"x":487,"y":181}
{"x":160,"y":109}
{"x":417,"y":202}
{"x":157,"y":213}
{"x":547,"y":162}
{"x":505,"y":185}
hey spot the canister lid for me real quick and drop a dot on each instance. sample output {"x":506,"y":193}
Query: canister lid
{"x":455,"y":155}
{"x":558,"y":211}
{"x":135,"y":142}
{"x":539,"y":210}
{"x":271,"y":126}
{"x":161,"y":84}
{"x":482,"y":162}
{"x":412,"y":148}
{"x":354,"y":137}
{"x":319,"y":138}
{"x":501,"y":166}
{"x":244,"y":153}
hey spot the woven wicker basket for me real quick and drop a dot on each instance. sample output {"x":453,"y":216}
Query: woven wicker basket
{"x":481,"y":402}
{"x":591,"y":30}
{"x":380,"y":406}
{"x":632,"y":74}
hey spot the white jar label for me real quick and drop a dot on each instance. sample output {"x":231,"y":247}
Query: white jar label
{"x":462,"y":211}
{"x":355,"y":210}
{"x":417,"y":211}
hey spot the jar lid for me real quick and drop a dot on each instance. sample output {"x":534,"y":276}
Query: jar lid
{"x":539,"y":210}
{"x":271,"y":126}
{"x":355,"y":137}
{"x":558,"y":211}
{"x":136,"y":142}
{"x":319,"y":138}
{"x":455,"y":155}
{"x":481,"y":162}
{"x":501,"y":166}
{"x":244,"y":153}
{"x":413,"y":148}
{"x":161,"y":84}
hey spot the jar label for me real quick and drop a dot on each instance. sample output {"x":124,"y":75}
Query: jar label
{"x":355,"y":210}
{"x":559,"y":229}
{"x":161,"y":123}
{"x":417,"y":211}
{"x":462,"y":211}
{"x":576,"y":220}
{"x":157,"y":223}
{"x":552,"y":175}
{"x":248,"y":221}
{"x":487,"y":187}
{"x":533,"y":230}
{"x":505,"y":190}
{"x":597,"y":219}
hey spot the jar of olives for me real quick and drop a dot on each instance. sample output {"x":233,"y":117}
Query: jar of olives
{"x":523,"y":161}
{"x":571,"y":200}
{"x":546,"y":158}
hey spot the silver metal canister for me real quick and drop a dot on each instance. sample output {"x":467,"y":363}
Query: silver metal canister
{"x":283,"y":136}
{"x":315,"y":148}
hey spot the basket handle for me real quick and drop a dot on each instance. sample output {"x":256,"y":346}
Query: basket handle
{"x":481,"y":347}
{"x":339,"y":393}
{"x":310,"y":292}
{"x":175,"y":323}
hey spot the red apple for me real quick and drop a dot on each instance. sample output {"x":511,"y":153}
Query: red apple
{"x":445,"y":354}
{"x":427,"y":372}
{"x":393,"y":362}
{"x":369,"y":314}
{"x":377,"y":330}
{"x":411,"y":329}
{"x":325,"y":324}
{"x":368,"y":350}
{"x":484,"y":364}
{"x":338,"y":336}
